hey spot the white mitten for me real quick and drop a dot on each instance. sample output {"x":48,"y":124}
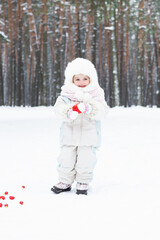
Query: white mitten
{"x":72,"y":115}
{"x":82,"y":107}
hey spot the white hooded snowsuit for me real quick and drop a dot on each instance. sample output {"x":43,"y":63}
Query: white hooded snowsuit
{"x":79,"y":137}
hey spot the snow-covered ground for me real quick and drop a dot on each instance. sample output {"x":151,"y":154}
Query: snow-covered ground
{"x":123,"y":200}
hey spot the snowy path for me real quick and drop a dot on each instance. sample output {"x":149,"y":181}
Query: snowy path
{"x":123,"y":201}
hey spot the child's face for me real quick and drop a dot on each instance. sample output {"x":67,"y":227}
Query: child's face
{"x":81,"y":80}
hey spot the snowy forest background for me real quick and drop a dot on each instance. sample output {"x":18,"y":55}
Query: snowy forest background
{"x":38,"y":39}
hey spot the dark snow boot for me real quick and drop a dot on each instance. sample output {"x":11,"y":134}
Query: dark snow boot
{"x":82,"y":188}
{"x":61,"y":187}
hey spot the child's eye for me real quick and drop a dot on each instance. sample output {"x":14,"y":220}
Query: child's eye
{"x":77,"y":79}
{"x":85,"y":79}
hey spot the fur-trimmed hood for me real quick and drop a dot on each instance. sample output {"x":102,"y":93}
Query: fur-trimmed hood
{"x":75,"y":93}
{"x":83,"y":66}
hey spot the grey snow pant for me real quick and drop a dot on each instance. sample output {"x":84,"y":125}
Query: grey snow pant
{"x":76,"y":163}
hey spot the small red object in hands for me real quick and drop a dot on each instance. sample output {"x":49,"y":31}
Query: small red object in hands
{"x":75,"y":108}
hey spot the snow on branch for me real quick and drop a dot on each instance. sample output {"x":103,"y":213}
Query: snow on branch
{"x":109,"y":28}
{"x":4,"y":37}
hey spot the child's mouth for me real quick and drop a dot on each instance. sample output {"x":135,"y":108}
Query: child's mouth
{"x":82,"y":86}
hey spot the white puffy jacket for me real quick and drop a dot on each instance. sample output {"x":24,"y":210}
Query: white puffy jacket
{"x":85,"y":129}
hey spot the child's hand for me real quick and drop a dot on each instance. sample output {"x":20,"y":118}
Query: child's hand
{"x":72,"y":115}
{"x":79,"y":108}
{"x":82,"y":108}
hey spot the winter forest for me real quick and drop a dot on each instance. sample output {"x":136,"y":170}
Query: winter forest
{"x":39,"y":38}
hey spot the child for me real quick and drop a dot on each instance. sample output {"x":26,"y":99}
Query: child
{"x":81,"y":105}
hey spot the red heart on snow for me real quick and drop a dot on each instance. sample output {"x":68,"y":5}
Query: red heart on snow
{"x":11,"y":198}
{"x":2,"y":197}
